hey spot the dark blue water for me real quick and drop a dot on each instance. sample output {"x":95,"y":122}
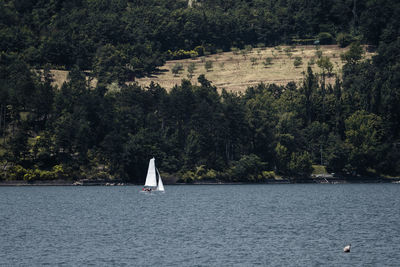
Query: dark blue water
{"x":225,"y":225}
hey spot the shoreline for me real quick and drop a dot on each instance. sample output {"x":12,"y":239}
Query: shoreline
{"x":313,"y":180}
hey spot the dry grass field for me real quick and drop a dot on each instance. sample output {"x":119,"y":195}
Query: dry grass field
{"x":236,"y":71}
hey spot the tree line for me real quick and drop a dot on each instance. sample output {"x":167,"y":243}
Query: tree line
{"x":111,"y":130}
{"x":134,"y":36}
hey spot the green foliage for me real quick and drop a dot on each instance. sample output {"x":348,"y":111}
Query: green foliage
{"x":325,"y":64}
{"x":261,"y":45}
{"x":319,"y":169}
{"x":181,"y":54}
{"x":364,"y":138}
{"x":318,"y":53}
{"x":177,"y":68}
{"x":300,"y":165}
{"x":325,"y":38}
{"x":190,"y":69}
{"x":267,"y":62}
{"x":354,"y":54}
{"x":235,"y":50}
{"x":113,"y":128}
{"x":344,"y":39}
{"x":208,"y":65}
{"x":188,"y":177}
{"x":200,"y":50}
{"x":288,"y":51}
{"x":18,"y":172}
{"x":248,"y":48}
{"x":248,"y":168}
{"x":298,"y":61}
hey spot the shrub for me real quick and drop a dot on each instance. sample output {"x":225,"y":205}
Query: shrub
{"x":17,"y":172}
{"x":288,"y":52}
{"x":235,"y":50}
{"x":181,"y":54}
{"x":208,"y":65}
{"x":267,"y":62}
{"x":261,"y":45}
{"x":247,"y":168}
{"x":297,"y":62}
{"x":344,"y":39}
{"x":248,"y":48}
{"x":253,"y":60}
{"x":300,"y":164}
{"x":268,"y":174}
{"x":325,"y":64}
{"x":178,"y":67}
{"x":191,"y":68}
{"x":188,"y":177}
{"x":318,"y":53}
{"x":325,"y":38}
{"x":199,"y":50}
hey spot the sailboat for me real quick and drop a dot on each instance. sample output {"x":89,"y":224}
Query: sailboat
{"x":151,"y":179}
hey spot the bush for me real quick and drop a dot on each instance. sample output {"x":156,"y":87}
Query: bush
{"x":20,"y":173}
{"x":325,"y":64}
{"x":177,"y":68}
{"x":191,"y":68}
{"x":199,"y":50}
{"x":248,"y":48}
{"x":235,"y":50}
{"x":261,"y":45}
{"x":325,"y":38}
{"x":208,"y":65}
{"x":248,"y":168}
{"x":344,"y":39}
{"x":301,"y":165}
{"x":181,"y":54}
{"x":188,"y":177}
{"x":267,"y":62}
{"x":268,"y":174}
{"x":318,"y":53}
{"x":16,"y":172}
{"x":297,"y":62}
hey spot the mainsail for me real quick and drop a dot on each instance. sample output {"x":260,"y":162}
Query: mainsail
{"x":151,"y":180}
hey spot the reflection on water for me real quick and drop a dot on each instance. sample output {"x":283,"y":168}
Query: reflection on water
{"x":206,"y":225}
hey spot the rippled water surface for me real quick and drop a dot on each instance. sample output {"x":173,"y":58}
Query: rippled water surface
{"x":203,"y":225}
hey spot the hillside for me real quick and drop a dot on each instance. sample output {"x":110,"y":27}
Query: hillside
{"x":235,"y":71}
{"x":110,"y":128}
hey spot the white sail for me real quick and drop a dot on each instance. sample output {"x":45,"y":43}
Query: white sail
{"x":160,"y":186}
{"x":151,"y":180}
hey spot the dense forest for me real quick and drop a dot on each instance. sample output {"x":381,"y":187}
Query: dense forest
{"x":110,"y":130}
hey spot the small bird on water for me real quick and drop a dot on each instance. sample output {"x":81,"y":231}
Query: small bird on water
{"x":347,"y":248}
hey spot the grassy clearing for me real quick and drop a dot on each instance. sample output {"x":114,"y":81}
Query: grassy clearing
{"x":319,"y":169}
{"x":235,"y":71}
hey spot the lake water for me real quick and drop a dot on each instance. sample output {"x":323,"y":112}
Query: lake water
{"x":202,"y":225}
